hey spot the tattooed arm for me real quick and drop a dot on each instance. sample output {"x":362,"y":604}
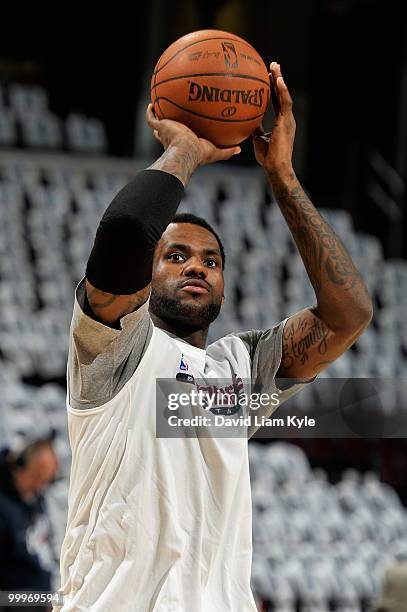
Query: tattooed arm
{"x":315,"y":337}
{"x":119,"y":268}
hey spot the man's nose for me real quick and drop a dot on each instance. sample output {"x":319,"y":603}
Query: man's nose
{"x":194,"y":267}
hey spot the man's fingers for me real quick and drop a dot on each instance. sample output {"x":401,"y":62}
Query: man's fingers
{"x":260,"y":134}
{"x":275,"y":69}
{"x":151,"y":118}
{"x":283,"y":95}
{"x":274,"y":95}
{"x":259,"y":131}
{"x":223,"y":154}
{"x":285,"y":98}
{"x":260,"y":145}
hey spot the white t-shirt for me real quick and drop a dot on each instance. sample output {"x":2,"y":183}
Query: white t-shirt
{"x":155,"y":524}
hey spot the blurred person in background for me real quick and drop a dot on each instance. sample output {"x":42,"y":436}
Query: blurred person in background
{"x":26,"y":556}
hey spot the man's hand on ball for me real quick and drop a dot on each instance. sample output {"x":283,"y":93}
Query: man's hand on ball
{"x":172,"y":133}
{"x":274,"y":151}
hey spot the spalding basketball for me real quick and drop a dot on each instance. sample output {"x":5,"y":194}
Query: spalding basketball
{"x":213,"y":82}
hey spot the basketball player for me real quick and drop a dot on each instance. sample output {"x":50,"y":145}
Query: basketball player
{"x":165,"y":524}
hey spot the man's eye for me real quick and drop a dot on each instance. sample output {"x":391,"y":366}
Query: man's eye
{"x":211,"y":263}
{"x":177,"y":257}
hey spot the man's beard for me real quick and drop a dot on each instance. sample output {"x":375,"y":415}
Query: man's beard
{"x":178,"y":313}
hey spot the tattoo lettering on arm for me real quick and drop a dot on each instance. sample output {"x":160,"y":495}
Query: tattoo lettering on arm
{"x":300,"y":337}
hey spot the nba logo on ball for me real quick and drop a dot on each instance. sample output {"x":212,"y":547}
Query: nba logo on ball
{"x":215,"y":83}
{"x":229,"y":53}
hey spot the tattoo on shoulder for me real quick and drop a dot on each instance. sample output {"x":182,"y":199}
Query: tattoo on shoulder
{"x":100,"y":299}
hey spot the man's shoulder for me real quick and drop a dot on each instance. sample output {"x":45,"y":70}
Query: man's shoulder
{"x":240,"y":339}
{"x":256,"y":344}
{"x":102,"y":359}
{"x":227,"y":339}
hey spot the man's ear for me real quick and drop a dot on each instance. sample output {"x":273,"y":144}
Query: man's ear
{"x":223,"y":300}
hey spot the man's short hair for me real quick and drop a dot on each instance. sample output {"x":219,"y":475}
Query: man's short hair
{"x":191,"y":218}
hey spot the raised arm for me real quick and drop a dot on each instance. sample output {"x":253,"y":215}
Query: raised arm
{"x":118,"y":272}
{"x":314,"y":337}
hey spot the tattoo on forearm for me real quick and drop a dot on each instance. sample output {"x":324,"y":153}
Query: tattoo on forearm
{"x":319,"y":246}
{"x":297,"y":350}
{"x":179,"y":160}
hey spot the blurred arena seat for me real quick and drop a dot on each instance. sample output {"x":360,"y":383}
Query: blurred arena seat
{"x":8,"y":128}
{"x":85,"y":135}
{"x":318,"y":543}
{"x":26,"y":120}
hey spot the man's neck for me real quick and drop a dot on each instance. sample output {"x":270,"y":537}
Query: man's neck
{"x":191,"y":335}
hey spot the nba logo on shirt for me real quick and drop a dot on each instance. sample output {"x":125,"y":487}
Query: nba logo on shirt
{"x":181,"y":375}
{"x":183,"y":366}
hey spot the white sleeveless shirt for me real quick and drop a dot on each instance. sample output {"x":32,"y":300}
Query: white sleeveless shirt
{"x":157,"y":524}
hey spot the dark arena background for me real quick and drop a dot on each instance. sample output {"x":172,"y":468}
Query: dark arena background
{"x":329,"y":512}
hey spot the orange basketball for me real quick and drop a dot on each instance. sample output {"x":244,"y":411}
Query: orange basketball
{"x":213,"y":82}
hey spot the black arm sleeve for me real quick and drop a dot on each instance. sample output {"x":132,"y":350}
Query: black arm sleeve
{"x":122,"y":255}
